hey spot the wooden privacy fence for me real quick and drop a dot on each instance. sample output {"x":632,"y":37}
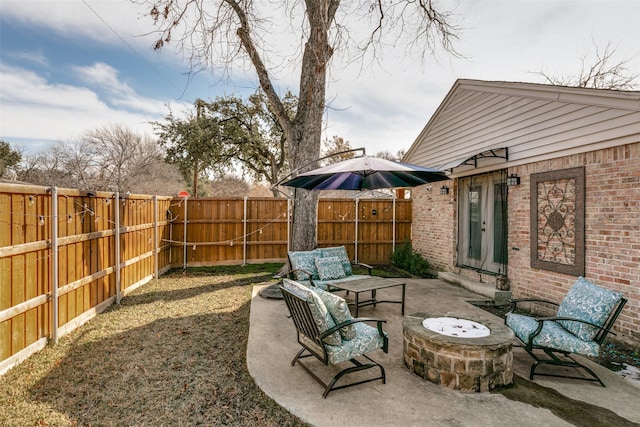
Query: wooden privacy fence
{"x":66,"y":255}
{"x":255,"y":230}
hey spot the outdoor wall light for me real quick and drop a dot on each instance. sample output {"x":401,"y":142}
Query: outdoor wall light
{"x":513,"y":180}
{"x":444,"y":190}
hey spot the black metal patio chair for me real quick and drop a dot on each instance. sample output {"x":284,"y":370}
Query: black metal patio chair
{"x":326,"y":340}
{"x":583,"y":320}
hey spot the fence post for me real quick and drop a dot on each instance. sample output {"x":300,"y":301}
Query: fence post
{"x":155,"y":234}
{"x":244,"y":232}
{"x":288,"y":225}
{"x":184,"y":237}
{"x":356,"y":240}
{"x":55,"y":261}
{"x":117,"y":245}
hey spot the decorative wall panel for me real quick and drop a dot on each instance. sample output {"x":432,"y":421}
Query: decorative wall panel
{"x":557,"y":221}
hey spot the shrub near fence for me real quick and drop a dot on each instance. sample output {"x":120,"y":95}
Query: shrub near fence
{"x":63,"y":259}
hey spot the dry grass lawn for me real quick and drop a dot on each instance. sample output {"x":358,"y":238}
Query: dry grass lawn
{"x":173,"y":353}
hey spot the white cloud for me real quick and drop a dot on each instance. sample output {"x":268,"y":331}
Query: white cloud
{"x":86,"y":19}
{"x":33,"y":57}
{"x":24,"y":87}
{"x":118,"y":93}
{"x":33,"y":108}
{"x":103,"y":75}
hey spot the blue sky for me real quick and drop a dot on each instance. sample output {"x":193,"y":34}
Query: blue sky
{"x":67,"y":67}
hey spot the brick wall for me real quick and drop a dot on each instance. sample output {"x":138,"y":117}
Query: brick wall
{"x":612,"y":231}
{"x":433,"y":227}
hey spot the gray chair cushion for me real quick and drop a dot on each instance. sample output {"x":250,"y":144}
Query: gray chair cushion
{"x":552,"y":335}
{"x":367,"y":339}
{"x":304,"y":260}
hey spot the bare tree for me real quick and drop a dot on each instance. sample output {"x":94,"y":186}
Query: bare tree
{"x":601,"y":72}
{"x":229,"y":186}
{"x":217,"y":32}
{"x":81,"y":162}
{"x":158,"y":178}
{"x":386,"y":154}
{"x":45,"y":169}
{"x":111,"y":158}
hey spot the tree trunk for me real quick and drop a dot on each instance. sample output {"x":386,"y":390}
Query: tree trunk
{"x":305,"y":131}
{"x":304,"y":144}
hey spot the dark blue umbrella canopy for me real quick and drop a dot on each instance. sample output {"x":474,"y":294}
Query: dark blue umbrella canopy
{"x":366,"y":173}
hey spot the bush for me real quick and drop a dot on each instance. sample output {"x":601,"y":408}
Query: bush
{"x":412,"y":261}
{"x":401,"y":257}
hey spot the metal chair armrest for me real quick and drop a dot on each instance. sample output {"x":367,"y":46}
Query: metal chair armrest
{"x":351,"y":322}
{"x":514,"y":302}
{"x":289,"y":273}
{"x":367,"y":266}
{"x":572,"y":319}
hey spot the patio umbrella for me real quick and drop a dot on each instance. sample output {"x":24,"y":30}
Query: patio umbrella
{"x":366,"y":173}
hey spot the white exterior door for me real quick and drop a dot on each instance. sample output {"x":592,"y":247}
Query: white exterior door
{"x":482,"y":232}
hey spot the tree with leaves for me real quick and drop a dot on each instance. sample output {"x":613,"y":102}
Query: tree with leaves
{"x":217,"y":32}
{"x":9,"y":158}
{"x":251,"y":136}
{"x":193,"y":144}
{"x":338,"y":149}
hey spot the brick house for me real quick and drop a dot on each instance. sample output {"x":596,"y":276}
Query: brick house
{"x":545,"y":187}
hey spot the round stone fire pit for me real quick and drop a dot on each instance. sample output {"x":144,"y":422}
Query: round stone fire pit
{"x":457,"y":351}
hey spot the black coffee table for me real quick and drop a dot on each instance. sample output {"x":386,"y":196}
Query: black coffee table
{"x":371,"y":284}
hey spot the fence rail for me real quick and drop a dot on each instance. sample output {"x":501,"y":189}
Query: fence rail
{"x":66,"y":255}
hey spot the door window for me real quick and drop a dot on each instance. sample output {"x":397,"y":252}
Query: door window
{"x":482,"y":222}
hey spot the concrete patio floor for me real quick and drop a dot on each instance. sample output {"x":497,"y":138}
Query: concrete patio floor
{"x":406,"y":399}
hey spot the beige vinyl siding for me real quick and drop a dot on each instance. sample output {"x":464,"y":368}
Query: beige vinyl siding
{"x":533,"y":121}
